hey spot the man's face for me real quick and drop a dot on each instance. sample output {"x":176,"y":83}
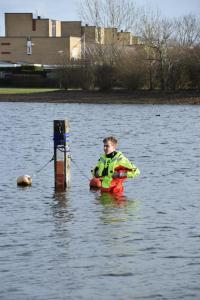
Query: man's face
{"x":109,"y":147}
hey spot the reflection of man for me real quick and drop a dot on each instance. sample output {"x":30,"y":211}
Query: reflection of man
{"x":113,"y":168}
{"x":113,"y":199}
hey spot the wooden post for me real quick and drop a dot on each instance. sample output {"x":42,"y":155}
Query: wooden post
{"x":61,"y":155}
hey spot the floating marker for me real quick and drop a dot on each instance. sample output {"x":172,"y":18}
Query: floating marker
{"x":24,"y":180}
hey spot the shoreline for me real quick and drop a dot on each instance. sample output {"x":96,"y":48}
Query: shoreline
{"x":111,"y":97}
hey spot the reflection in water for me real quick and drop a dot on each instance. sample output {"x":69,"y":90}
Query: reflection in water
{"x":62,"y":219}
{"x":60,"y":207}
{"x":61,"y":198}
{"x":117,"y":207}
{"x":110,"y":199}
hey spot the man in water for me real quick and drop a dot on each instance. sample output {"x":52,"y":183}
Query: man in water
{"x":112,"y":168}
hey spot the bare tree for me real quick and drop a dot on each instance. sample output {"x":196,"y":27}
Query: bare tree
{"x":171,"y":46}
{"x":187,"y":30}
{"x":155,"y":33}
{"x":120,"y":14}
{"x":131,"y":69}
{"x":90,"y":11}
{"x":115,"y":14}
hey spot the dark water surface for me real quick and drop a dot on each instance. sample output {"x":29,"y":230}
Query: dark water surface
{"x":81,"y":245}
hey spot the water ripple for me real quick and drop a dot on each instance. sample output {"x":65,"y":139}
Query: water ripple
{"x":83,"y":245}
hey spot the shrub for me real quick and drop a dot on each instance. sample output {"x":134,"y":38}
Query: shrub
{"x":104,"y":77}
{"x":131,"y":71}
{"x":76,"y":77}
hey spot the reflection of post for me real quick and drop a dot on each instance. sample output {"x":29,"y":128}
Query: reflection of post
{"x":61,"y":155}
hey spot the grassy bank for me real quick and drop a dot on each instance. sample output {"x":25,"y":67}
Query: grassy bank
{"x":114,"y":96}
{"x":14,"y":91}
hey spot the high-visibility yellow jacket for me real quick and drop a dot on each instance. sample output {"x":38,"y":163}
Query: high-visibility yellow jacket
{"x":110,"y":164}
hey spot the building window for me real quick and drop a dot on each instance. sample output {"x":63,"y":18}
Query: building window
{"x":5,"y":52}
{"x":5,"y":44}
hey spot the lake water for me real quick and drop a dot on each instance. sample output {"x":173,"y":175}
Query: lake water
{"x":83,"y":245}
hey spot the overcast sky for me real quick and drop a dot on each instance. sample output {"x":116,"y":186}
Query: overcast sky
{"x":67,"y":9}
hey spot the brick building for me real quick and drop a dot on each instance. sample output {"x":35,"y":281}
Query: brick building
{"x":38,"y":41}
{"x":52,"y":42}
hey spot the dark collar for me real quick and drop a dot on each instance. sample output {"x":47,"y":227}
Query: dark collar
{"x":111,"y":155}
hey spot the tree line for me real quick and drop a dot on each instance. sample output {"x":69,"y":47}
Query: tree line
{"x":167,"y":57}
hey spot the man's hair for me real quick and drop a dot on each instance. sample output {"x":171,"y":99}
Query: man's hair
{"x":112,"y":139}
